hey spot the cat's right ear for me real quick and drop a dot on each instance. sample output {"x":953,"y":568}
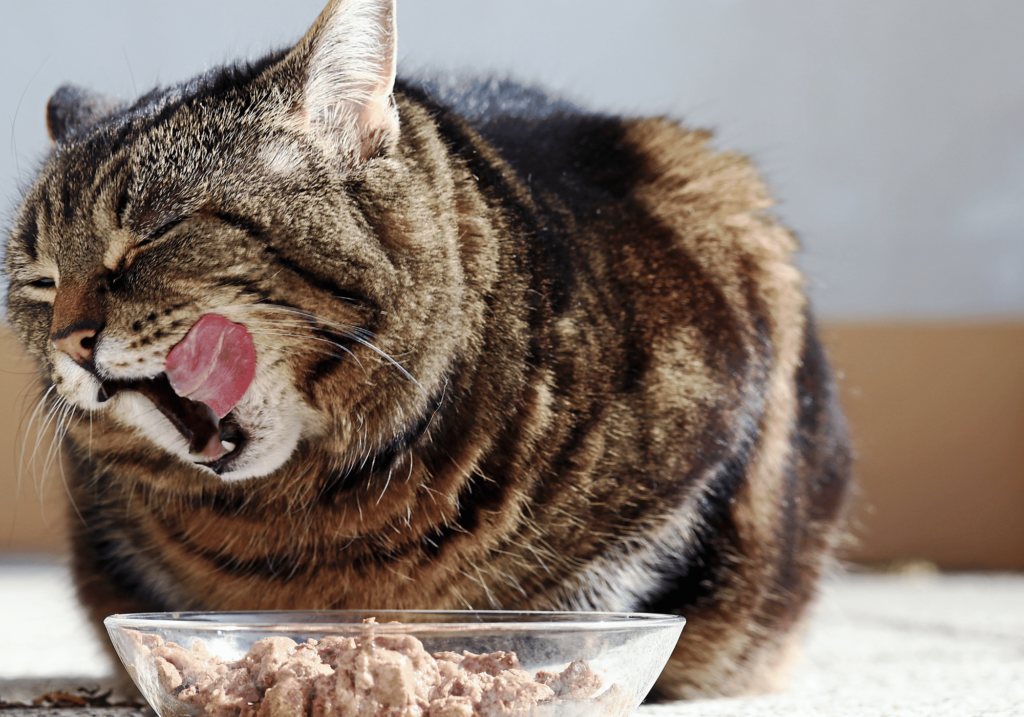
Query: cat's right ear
{"x":347,"y":63}
{"x":72,"y":108}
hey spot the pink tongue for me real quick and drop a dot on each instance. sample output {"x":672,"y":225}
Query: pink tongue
{"x":214,"y":363}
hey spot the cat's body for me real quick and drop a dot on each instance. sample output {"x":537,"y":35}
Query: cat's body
{"x":610,"y":395}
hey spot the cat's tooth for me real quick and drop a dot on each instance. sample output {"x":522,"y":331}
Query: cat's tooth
{"x":228,"y":446}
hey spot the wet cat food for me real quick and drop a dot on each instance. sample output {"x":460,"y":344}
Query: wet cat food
{"x":368,"y":676}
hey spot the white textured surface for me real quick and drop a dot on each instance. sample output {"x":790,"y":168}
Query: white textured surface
{"x":919,"y":646}
{"x":43,"y":632}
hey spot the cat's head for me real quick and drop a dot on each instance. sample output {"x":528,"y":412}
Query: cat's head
{"x":277,"y":195}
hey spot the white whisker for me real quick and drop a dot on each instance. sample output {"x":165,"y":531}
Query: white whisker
{"x":59,"y":429}
{"x":263,"y":332}
{"x":50,"y":414}
{"x":386,"y":484}
{"x":412,"y":463}
{"x":28,"y":428}
{"x":66,"y":418}
{"x":56,"y":417}
{"x":359,"y":335}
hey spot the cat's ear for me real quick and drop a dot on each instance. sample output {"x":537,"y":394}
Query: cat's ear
{"x":347,"y":63}
{"x":72,"y":108}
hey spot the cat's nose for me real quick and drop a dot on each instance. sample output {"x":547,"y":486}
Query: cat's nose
{"x":77,"y":344}
{"x":78,"y":319}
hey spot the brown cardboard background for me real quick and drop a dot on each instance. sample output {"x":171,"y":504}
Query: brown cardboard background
{"x":936,"y":412}
{"x":937,"y":417}
{"x":33,"y":505}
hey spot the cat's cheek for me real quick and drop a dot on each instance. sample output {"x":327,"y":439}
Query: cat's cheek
{"x":75,"y":384}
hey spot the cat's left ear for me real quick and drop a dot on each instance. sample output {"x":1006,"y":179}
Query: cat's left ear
{"x":348,"y":60}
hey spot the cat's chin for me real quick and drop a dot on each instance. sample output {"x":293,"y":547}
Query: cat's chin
{"x":262,"y":441}
{"x":211,"y":439}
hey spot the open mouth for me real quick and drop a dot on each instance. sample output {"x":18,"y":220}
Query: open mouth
{"x":205,"y":375}
{"x":212,"y":441}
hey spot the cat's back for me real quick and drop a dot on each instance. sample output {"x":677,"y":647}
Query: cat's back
{"x":582,"y":164}
{"x":647,"y":209}
{"x":560,"y":150}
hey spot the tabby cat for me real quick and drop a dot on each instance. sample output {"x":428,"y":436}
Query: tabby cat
{"x":516,"y":356}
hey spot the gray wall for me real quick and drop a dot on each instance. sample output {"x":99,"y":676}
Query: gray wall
{"x":892,"y":131}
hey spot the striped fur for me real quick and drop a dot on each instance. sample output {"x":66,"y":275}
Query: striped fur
{"x":526,"y":358}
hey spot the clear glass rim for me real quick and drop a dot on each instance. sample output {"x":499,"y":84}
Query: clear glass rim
{"x":477,"y":621}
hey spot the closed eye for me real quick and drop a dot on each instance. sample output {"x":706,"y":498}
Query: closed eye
{"x":158,"y":233}
{"x":129,"y":254}
{"x":161,"y":230}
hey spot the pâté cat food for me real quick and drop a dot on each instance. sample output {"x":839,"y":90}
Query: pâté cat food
{"x":371,"y":675}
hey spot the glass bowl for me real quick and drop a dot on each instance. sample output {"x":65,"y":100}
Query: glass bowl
{"x":569,"y":663}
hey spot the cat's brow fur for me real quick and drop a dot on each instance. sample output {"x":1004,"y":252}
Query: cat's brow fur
{"x":538,"y":359}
